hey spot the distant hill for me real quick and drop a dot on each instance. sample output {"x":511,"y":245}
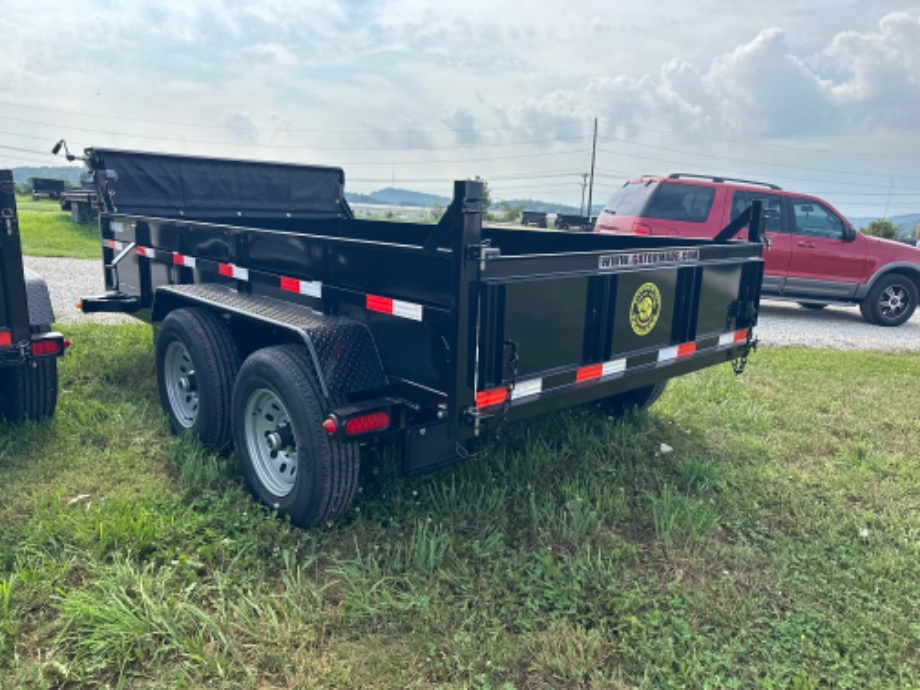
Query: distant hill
{"x":404,"y":197}
{"x":547,"y":206}
{"x":68,"y":173}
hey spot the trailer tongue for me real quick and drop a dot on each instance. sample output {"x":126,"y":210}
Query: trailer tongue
{"x":299,"y":333}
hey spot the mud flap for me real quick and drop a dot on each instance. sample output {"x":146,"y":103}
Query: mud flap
{"x":428,"y":448}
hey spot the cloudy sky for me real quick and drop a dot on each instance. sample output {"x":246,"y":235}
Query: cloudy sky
{"x":819,"y":96}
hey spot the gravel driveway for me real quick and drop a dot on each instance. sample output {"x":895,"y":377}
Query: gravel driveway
{"x":69,"y":280}
{"x":781,"y":323}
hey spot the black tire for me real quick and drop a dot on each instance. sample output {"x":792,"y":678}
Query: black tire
{"x":196,"y":345}
{"x":637,"y":399}
{"x":891,"y":301}
{"x":278,"y":412}
{"x":29,"y":391}
{"x":812,"y":305}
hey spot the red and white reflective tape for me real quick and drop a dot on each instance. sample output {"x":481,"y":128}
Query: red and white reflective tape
{"x":146,"y":252}
{"x":597,"y":371}
{"x":676,"y":352}
{"x":732,"y":338}
{"x":113,"y":244}
{"x":233,"y":271}
{"x":491,"y":397}
{"x":183,"y":260}
{"x":311,"y":288}
{"x":524,"y":389}
{"x":385,"y":305}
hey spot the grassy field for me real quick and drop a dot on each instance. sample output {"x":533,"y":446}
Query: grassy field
{"x":776,"y":546}
{"x":47,"y":231}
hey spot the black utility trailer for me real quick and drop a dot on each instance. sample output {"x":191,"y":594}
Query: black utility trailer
{"x":28,"y":347}
{"x":46,"y":188}
{"x":569,"y":221}
{"x":534,"y":218}
{"x":300,"y":333}
{"x":81,"y":201}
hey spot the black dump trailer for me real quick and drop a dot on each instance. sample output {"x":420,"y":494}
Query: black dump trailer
{"x":28,"y":347}
{"x":533,"y":218}
{"x":81,"y":201}
{"x":299,"y":334}
{"x":46,"y":188}
{"x":570,"y":221}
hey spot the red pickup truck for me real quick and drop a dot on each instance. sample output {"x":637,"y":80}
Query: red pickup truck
{"x":816,"y":257}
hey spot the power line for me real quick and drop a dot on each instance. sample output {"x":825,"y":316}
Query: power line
{"x":279,"y":129}
{"x":737,"y":160}
{"x":426,"y":162}
{"x":771,"y":145}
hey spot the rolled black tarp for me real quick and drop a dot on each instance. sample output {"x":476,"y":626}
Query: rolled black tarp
{"x":166,"y":185}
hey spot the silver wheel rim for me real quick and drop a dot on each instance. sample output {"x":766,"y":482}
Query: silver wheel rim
{"x":179,"y":378}
{"x":893,"y":301}
{"x":270,"y":442}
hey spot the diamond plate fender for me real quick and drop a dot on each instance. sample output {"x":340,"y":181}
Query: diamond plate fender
{"x":342,"y":349}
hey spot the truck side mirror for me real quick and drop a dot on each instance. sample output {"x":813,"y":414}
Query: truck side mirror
{"x":849,"y":233}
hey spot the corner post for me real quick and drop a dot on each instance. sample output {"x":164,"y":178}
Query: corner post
{"x":465,"y":242}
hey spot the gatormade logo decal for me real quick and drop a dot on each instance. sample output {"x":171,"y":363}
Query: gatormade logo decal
{"x":645,"y":308}
{"x":609,"y":262}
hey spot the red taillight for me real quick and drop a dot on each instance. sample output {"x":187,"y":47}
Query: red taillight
{"x":741,"y":336}
{"x":6,"y":338}
{"x":45,"y":348}
{"x":642,"y":229}
{"x":366,"y":423}
{"x":330,"y":426}
{"x":496,"y":396}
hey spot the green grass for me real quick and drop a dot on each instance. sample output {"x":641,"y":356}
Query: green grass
{"x":45,"y":230}
{"x":26,"y":203}
{"x":775,"y":547}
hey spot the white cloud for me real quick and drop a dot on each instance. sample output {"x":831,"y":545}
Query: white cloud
{"x":760,"y":90}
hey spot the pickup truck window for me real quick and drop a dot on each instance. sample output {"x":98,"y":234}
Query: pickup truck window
{"x":816,"y":220}
{"x":772,"y":205}
{"x":684,"y":202}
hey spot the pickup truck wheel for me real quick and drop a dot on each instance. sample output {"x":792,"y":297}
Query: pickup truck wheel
{"x":891,"y":301}
{"x":638,"y":399}
{"x":288,"y":461}
{"x":197,"y":360}
{"x":29,"y":391}
{"x":812,"y":305}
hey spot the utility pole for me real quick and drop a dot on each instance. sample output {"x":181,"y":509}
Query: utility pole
{"x":593,"y":157}
{"x":584,"y":185}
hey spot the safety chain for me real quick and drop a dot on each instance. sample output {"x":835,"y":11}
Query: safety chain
{"x":750,"y":345}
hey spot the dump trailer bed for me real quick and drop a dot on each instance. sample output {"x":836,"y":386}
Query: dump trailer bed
{"x":432,"y":334}
{"x":28,"y":346}
{"x":47,"y":188}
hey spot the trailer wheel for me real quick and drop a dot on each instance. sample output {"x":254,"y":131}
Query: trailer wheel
{"x":29,"y":391}
{"x":290,"y":464}
{"x":637,"y":399}
{"x":197,"y":360}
